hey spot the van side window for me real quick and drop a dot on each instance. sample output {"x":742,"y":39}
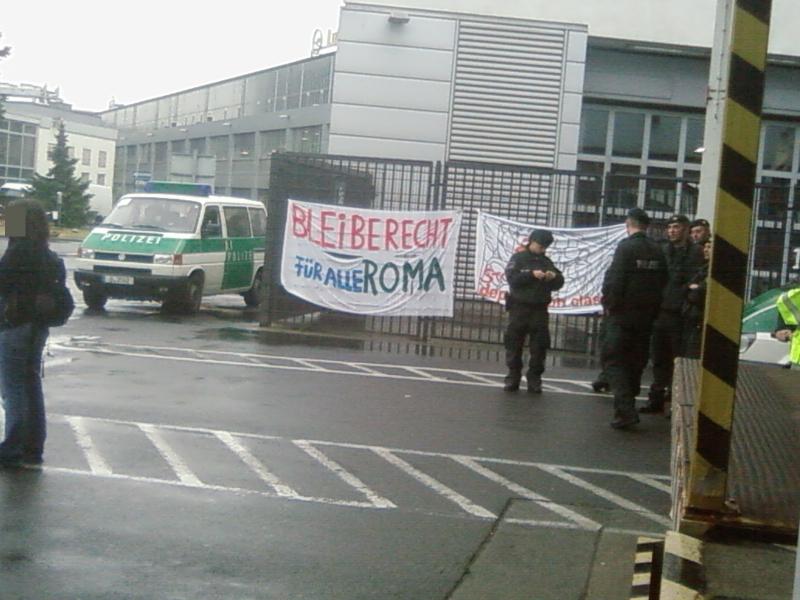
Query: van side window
{"x":237,"y":221}
{"x":212,"y":226}
{"x":259,"y":220}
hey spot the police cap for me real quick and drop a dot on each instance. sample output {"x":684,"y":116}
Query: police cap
{"x":682,"y":219}
{"x":638,"y":215}
{"x":541,"y":236}
{"x":700,"y":223}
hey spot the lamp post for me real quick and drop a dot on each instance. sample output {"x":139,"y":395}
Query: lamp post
{"x":59,"y":202}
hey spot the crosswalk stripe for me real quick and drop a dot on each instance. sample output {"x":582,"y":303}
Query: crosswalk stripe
{"x":524,"y":492}
{"x":343,"y":474}
{"x":251,"y":461}
{"x":183,"y":472}
{"x":437,"y":486}
{"x":96,"y":462}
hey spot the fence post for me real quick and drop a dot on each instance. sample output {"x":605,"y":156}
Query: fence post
{"x":276,"y":216}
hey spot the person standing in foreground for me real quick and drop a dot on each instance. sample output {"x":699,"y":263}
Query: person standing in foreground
{"x":682,"y":259}
{"x":788,"y":326}
{"x":632,"y":294}
{"x":532,"y":277}
{"x":25,"y":268}
{"x":694,"y":307}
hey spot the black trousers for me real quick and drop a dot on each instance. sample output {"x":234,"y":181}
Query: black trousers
{"x":526,"y":321}
{"x":667,"y":343}
{"x":625,"y":352}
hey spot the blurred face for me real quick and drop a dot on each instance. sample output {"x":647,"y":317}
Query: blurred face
{"x":677,"y":232}
{"x":536,"y":248}
{"x":707,"y":250}
{"x":699,"y":234}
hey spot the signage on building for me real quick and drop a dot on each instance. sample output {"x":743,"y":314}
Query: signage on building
{"x":321,"y":40}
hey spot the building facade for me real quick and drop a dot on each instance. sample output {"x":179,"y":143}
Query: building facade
{"x":239,"y":121}
{"x":28,"y":134}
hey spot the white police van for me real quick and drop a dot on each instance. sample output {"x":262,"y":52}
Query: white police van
{"x":174,"y":243}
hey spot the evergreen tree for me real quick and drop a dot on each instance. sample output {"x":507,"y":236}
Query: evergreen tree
{"x":61,"y":178}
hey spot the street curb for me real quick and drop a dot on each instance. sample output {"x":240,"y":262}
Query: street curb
{"x":647,"y":568}
{"x":683,"y":576}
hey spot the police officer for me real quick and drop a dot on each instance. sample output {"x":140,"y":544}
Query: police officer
{"x":699,"y":232}
{"x":667,"y":342}
{"x":632,"y":294}
{"x":532,"y":277}
{"x":788,"y":326}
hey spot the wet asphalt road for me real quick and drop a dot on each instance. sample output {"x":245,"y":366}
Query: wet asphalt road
{"x":199,"y":457}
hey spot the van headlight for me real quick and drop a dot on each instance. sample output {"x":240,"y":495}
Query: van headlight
{"x":746,"y":341}
{"x":163,"y":259}
{"x":85,"y":253}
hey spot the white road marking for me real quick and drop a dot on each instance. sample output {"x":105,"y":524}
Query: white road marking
{"x":437,"y":486}
{"x":183,"y":472}
{"x":576,"y":518}
{"x":653,"y":483}
{"x":606,"y":495}
{"x":97,"y":464}
{"x":343,"y":474}
{"x":251,"y":461}
{"x":428,"y":374}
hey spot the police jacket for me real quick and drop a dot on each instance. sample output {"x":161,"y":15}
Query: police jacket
{"x":682,"y":262}
{"x":524,"y":287}
{"x":695,"y":303}
{"x":637,"y":275}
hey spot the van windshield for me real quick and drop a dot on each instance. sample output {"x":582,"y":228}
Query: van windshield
{"x":154,"y":214}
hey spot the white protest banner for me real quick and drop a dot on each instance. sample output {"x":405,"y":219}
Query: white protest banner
{"x":371,"y":262}
{"x":582,"y":255}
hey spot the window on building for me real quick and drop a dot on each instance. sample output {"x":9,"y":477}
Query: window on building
{"x":28,"y":152}
{"x":101,"y":179}
{"x":308,"y":139}
{"x":197,"y":145}
{"x":71,"y":152}
{"x":628,"y":134}
{"x":85,"y":177}
{"x":102,"y":158}
{"x":3,"y":147}
{"x":50,"y":149}
{"x":694,"y":140}
{"x":86,"y":157}
{"x":219,"y":147}
{"x":272,"y":141}
{"x":665,"y":137}
{"x":244,"y":146}
{"x":594,"y":129}
{"x":778,"y":148}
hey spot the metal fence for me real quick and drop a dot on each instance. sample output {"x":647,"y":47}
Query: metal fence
{"x":538,"y":196}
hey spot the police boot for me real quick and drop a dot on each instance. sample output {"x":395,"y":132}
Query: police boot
{"x":655,"y":402}
{"x":511,"y":382}
{"x":534,"y":385}
{"x":600,"y":386}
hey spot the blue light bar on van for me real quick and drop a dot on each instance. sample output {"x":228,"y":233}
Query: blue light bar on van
{"x":175,"y":187}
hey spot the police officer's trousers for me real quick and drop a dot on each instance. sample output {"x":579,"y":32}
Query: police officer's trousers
{"x":526,"y":320}
{"x":666,"y":345}
{"x":625,"y":352}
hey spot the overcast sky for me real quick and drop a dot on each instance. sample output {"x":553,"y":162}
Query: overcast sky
{"x":96,"y":50}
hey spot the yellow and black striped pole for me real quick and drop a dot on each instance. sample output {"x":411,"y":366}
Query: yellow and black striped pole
{"x":708,"y":474}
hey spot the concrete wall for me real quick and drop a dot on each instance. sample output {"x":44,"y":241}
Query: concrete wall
{"x":670,"y":22}
{"x":460,"y":87}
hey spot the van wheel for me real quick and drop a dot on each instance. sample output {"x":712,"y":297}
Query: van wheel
{"x":94,"y":299}
{"x":252,"y":297}
{"x":193,"y":294}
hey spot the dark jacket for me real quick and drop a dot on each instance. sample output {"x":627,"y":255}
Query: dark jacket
{"x":524,"y":287}
{"x":637,"y":275}
{"x":682,"y":262}
{"x":695,"y":303}
{"x":25,"y":270}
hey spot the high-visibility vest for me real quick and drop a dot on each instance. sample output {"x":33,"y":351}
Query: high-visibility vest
{"x":789,"y":308}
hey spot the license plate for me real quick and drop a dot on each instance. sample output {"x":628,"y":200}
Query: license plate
{"x":118,"y":279}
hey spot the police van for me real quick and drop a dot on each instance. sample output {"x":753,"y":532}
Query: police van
{"x":174,"y":243}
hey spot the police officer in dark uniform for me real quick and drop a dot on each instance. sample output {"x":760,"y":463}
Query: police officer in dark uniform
{"x":632,"y":294}
{"x":683,"y":259}
{"x":532,"y":277}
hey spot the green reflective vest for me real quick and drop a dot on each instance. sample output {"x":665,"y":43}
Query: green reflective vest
{"x":789,"y":308}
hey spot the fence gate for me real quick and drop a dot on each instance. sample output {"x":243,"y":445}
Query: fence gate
{"x":534,"y":195}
